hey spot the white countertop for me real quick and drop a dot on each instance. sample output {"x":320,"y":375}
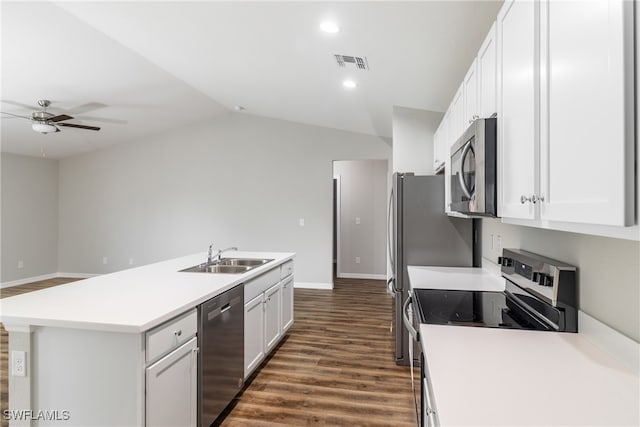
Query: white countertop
{"x":487,"y":376}
{"x":490,"y":376}
{"x":133,"y":300}
{"x":461,"y":278}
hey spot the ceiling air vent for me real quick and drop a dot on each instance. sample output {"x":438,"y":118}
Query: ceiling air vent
{"x":360,"y":63}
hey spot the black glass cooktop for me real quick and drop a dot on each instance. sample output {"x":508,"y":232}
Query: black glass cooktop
{"x":473,"y":308}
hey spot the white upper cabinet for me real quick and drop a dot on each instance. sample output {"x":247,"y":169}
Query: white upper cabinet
{"x":471,"y":111}
{"x":486,"y":65}
{"x":518,"y":83}
{"x":587,"y":111}
{"x":438,"y":158}
{"x":456,"y":117}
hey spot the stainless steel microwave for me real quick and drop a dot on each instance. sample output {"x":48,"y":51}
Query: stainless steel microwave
{"x":473,"y":170}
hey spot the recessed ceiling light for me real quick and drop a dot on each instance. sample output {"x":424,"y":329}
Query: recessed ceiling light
{"x":329,"y":27}
{"x":349,"y":84}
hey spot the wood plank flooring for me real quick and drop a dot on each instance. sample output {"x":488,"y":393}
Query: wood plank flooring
{"x":335,"y":368}
{"x":4,"y":336}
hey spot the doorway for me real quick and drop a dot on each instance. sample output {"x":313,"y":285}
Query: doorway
{"x":360,"y":219}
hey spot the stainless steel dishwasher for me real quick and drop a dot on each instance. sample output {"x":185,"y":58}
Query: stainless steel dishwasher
{"x":221,"y":332}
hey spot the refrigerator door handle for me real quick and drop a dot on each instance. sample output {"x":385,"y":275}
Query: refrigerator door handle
{"x":390,"y":287}
{"x":405,"y":318}
{"x":390,"y":232}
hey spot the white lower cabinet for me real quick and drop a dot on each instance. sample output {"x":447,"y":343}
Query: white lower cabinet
{"x":172,"y":388}
{"x":272,"y":316}
{"x":268,"y":314}
{"x":253,"y":334}
{"x":287,"y":303}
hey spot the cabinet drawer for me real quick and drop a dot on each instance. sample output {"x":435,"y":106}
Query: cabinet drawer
{"x":171,"y":334}
{"x":286,"y":269}
{"x":258,"y":285}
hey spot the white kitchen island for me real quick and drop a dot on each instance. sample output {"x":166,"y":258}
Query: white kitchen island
{"x":506,"y":377}
{"x":87,"y":343}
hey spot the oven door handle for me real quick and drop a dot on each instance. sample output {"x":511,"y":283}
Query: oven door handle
{"x":405,"y":318}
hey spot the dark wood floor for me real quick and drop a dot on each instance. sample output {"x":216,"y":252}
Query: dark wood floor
{"x":335,"y":368}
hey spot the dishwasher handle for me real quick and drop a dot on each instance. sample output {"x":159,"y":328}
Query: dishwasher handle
{"x":405,"y":318}
{"x":217,"y":311}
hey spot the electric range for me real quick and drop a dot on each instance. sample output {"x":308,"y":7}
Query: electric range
{"x":540,"y":294}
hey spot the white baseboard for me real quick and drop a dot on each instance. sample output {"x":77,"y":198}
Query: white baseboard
{"x":45,"y":277}
{"x":608,"y":339}
{"x":362,"y":276}
{"x":311,"y":285}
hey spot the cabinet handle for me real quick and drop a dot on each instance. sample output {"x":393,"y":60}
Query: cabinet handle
{"x":533,"y":199}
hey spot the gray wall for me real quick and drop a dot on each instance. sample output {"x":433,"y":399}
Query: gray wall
{"x":363,"y":195}
{"x":608,"y":269}
{"x":237,"y":180}
{"x":413,"y":131}
{"x":29,"y":216}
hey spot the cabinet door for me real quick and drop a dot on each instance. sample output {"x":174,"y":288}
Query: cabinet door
{"x":253,"y":334}
{"x":587,"y":111}
{"x":456,"y":118}
{"x":172,"y":388}
{"x":438,"y":148}
{"x":287,"y":304}
{"x":518,"y":83}
{"x":487,"y":63}
{"x":272,"y":316}
{"x":470,"y":96}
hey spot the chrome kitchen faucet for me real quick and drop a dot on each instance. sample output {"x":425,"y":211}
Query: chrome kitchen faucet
{"x":216,"y":258}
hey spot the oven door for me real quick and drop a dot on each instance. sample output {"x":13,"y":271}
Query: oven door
{"x":411,"y":322}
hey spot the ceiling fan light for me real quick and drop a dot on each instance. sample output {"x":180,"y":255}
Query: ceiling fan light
{"x":43,"y":127}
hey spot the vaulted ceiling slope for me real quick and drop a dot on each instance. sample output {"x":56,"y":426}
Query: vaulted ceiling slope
{"x":139,"y":67}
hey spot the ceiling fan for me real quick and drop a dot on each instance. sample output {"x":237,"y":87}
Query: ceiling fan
{"x":46,"y":122}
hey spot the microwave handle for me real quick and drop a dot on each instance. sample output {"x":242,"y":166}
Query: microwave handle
{"x":463,"y":184}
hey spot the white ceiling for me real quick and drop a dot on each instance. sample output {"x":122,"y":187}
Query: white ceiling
{"x":136,"y":68}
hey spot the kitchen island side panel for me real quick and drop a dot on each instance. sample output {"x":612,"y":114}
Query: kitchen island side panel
{"x":92,"y":378}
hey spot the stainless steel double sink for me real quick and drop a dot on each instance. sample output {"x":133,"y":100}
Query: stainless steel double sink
{"x":228,"y":266}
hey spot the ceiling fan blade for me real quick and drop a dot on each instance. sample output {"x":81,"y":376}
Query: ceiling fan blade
{"x":16,"y":115}
{"x":85,"y":108}
{"x":71,"y":125}
{"x":59,"y":118}
{"x":102,"y":119}
{"x":19,"y":104}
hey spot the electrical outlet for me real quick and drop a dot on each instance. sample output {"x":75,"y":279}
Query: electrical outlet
{"x":105,"y":260}
{"x":130,"y":261}
{"x":18,"y":363}
{"x":357,"y":220}
{"x":499,"y":239}
{"x":357,"y":260}
{"x":20,"y":264}
{"x":301,"y":221}
{"x":493,"y":242}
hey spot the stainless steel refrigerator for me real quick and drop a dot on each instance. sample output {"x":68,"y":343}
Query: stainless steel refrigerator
{"x":420,"y":233}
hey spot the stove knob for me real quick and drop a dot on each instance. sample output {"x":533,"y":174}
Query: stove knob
{"x":549,"y":281}
{"x":535,"y":276}
{"x":541,"y":279}
{"x":500,"y":259}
